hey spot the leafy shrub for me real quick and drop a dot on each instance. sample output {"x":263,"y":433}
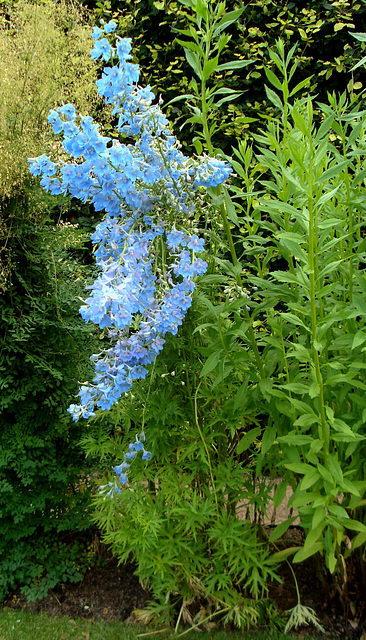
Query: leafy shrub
{"x":178,"y":516}
{"x":43,"y":487}
{"x":44,"y":491}
{"x":142,"y":293}
{"x":321,"y":31}
{"x":44,"y":50}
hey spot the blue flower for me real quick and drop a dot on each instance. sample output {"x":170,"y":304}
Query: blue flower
{"x":97,"y":33}
{"x":102,"y":49}
{"x":110,"y":26}
{"x":140,"y":187}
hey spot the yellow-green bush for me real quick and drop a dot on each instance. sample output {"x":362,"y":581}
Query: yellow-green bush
{"x":45,"y":60}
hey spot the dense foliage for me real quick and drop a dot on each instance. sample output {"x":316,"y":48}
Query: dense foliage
{"x":261,"y":387}
{"x":322,"y":32}
{"x":43,"y":487}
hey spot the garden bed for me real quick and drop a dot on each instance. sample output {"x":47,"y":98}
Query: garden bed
{"x":111,"y":592}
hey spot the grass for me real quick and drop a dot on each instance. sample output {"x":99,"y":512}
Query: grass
{"x":20,"y":625}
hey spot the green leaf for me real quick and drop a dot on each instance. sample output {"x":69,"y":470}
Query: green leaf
{"x":209,"y":67}
{"x":337,"y":510}
{"x":194,"y":61}
{"x":210,"y":364}
{"x":355,"y":525}
{"x":331,"y":561}
{"x":359,"y":338}
{"x":235,"y":64}
{"x":335,"y":468}
{"x":318,"y":517}
{"x":327,"y":196}
{"x":198,"y":145}
{"x":299,"y":467}
{"x":360,"y":304}
{"x":361,"y":37}
{"x":201,"y":9}
{"x":303,"y":34}
{"x":281,"y":529}
{"x":229,"y":18}
{"x":230,"y":208}
{"x":332,"y":172}
{"x":303,"y":554}
{"x":230,"y":98}
{"x":268,"y":439}
{"x":309,"y":479}
{"x":296,"y":439}
{"x":273,"y":97}
{"x":325,"y":127}
{"x":273,"y":79}
{"x":361,"y":63}
{"x":279,"y":494}
{"x":359,"y":540}
{"x":300,"y":122}
{"x":301,"y":85}
{"x":296,"y":387}
{"x":188,"y":44}
{"x":248,"y":439}
{"x":349,"y":486}
{"x":283,"y":554}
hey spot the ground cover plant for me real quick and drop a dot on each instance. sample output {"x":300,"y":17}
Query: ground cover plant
{"x":263,"y":379}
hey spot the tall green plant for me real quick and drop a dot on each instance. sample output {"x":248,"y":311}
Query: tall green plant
{"x":297,"y":344}
{"x":302,"y":245}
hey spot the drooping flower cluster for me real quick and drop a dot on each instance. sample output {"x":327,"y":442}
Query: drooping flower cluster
{"x":121,"y":470}
{"x":142,"y":184}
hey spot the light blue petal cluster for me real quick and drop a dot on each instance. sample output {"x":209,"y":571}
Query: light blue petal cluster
{"x":141,"y":185}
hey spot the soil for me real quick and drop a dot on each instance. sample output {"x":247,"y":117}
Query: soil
{"x":111,"y":592}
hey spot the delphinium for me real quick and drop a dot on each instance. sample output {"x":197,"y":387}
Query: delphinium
{"x":146,"y":249}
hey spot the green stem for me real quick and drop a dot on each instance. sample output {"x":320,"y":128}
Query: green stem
{"x":350,"y":219}
{"x":206,"y":449}
{"x":313,"y":232}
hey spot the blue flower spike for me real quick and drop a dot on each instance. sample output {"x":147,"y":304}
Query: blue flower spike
{"x":140,"y":186}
